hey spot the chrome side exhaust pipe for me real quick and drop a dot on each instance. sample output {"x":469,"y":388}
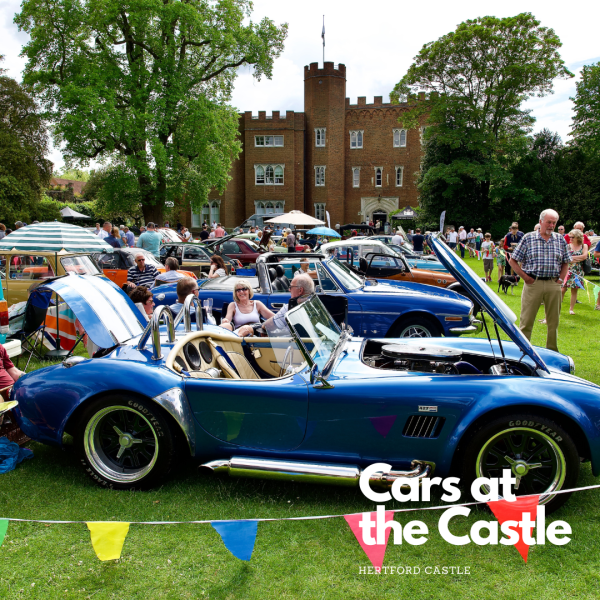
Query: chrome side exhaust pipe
{"x":309,"y":472}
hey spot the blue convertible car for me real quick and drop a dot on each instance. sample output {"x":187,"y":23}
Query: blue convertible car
{"x":382,"y":308}
{"x":310,"y":402}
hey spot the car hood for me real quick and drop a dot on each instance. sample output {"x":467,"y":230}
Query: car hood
{"x":404,"y":288}
{"x":107,"y":314}
{"x":487,"y":298}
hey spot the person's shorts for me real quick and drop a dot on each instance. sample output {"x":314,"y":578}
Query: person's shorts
{"x":488,"y":264}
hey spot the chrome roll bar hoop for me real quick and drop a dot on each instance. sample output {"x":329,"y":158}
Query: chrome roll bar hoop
{"x":186,"y":314}
{"x":153,"y":328}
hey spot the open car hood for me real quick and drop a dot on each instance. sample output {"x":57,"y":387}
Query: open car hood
{"x":107,"y":314}
{"x":487,"y":298}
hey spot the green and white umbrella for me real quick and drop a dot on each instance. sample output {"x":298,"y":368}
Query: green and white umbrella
{"x":60,"y":238}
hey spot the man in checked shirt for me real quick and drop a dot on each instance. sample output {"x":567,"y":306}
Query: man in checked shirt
{"x":544,"y":263}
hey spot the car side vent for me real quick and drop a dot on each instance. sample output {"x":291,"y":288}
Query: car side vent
{"x":421,"y":426}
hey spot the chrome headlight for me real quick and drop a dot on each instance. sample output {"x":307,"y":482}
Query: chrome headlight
{"x":571,"y":365}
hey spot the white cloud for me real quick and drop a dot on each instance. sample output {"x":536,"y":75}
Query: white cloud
{"x":377,"y":42}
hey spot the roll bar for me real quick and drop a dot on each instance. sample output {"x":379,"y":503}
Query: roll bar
{"x":153,"y":328}
{"x":186,"y":314}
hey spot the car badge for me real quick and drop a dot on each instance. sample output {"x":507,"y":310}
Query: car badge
{"x":428,"y":408}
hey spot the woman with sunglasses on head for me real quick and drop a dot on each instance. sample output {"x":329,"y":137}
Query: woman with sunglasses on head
{"x":244,"y":312}
{"x":142,"y":297}
{"x":217,"y":267}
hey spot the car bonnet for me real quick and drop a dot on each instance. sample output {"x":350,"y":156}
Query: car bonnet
{"x":106,"y":313}
{"x":487,"y":298}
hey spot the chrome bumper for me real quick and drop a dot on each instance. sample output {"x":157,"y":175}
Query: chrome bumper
{"x":475,"y":327}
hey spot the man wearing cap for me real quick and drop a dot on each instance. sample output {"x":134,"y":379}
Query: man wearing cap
{"x":150,"y":240}
{"x":544,"y":262}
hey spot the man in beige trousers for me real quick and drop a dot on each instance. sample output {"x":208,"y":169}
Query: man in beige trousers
{"x":544,"y":263}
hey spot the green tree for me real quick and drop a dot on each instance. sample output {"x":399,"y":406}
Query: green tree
{"x":73,"y":174}
{"x":475,"y":81}
{"x":145,"y":83}
{"x":24,"y":170}
{"x":586,"y":123}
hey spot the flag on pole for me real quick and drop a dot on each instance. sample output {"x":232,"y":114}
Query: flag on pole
{"x":323,"y":33}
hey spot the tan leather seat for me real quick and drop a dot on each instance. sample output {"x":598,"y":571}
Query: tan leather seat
{"x":227,"y":370}
{"x":242,"y":366}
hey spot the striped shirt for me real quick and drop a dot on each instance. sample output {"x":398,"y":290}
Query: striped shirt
{"x":145,"y":277}
{"x":541,"y":258}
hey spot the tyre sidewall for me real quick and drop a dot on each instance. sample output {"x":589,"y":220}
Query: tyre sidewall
{"x":433,"y":328}
{"x":162,"y":429}
{"x":529,"y":421}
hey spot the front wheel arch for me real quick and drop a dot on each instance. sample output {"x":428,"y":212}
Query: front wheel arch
{"x":406,"y":318}
{"x":566,"y":422}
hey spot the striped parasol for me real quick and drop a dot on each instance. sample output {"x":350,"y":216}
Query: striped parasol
{"x":60,"y":238}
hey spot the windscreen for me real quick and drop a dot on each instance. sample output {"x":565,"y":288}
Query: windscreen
{"x":79,"y":265}
{"x":349,"y":279}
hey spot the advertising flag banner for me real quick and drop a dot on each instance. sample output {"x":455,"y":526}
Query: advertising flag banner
{"x":513,"y":511}
{"x":108,"y":538}
{"x":376,"y":552}
{"x":3,"y":528}
{"x":238,"y":536}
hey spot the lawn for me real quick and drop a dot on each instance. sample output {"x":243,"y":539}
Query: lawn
{"x":294,"y":559}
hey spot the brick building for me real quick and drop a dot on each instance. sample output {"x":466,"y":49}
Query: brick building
{"x":351,"y":160}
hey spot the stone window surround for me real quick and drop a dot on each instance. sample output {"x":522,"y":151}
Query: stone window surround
{"x":381,"y":182}
{"x":273,"y":145}
{"x":320,"y":175}
{"x":320,"y":137}
{"x":400,"y":172}
{"x":400,"y":131}
{"x":355,"y":177}
{"x":362,"y":136}
{"x":264,"y":168}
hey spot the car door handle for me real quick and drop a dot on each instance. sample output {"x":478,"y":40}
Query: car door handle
{"x":277,"y":304}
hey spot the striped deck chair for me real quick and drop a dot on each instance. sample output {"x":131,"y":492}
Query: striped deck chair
{"x":67,"y":330}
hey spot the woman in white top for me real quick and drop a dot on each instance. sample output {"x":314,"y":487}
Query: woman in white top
{"x":217,"y":267}
{"x":244,"y":311}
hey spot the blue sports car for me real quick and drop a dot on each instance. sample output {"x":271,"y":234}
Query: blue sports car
{"x":310,"y":402}
{"x":383,"y":308}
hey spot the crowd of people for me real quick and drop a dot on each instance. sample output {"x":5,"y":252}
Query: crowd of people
{"x":549,"y":263}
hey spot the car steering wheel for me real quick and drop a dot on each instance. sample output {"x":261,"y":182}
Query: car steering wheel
{"x":287,"y":357}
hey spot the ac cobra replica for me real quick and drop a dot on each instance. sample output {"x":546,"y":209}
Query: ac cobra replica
{"x":310,"y":402}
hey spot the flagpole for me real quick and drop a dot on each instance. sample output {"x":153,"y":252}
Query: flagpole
{"x":323,"y":36}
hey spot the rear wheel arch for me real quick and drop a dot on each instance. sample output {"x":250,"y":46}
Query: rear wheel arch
{"x":75,"y":418}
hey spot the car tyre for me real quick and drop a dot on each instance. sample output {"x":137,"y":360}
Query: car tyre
{"x":416,"y":327}
{"x":536,"y":447}
{"x":126,"y":443}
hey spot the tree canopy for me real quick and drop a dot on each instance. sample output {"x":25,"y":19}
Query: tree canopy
{"x":586,"y":123}
{"x":475,"y":81}
{"x":24,"y":170}
{"x":145,"y":84}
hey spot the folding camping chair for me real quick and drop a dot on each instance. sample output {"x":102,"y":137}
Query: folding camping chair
{"x":32,"y":333}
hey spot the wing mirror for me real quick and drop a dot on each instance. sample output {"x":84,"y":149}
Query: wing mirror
{"x":317,"y":380}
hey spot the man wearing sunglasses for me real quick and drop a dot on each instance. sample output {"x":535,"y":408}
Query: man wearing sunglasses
{"x":141,"y":273}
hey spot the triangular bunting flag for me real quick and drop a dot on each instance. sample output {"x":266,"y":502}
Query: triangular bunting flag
{"x":513,"y":511}
{"x":376,"y":552}
{"x":383,"y":424}
{"x":3,"y":528}
{"x":238,"y":536}
{"x":596,"y":292}
{"x":108,"y":538}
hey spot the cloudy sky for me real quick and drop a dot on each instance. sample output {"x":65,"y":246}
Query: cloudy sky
{"x":377,"y":41}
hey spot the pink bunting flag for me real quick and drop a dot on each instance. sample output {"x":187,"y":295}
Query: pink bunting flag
{"x":376,"y":552}
{"x":513,"y":511}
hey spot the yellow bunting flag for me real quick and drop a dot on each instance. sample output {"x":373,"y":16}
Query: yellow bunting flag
{"x":108,"y":538}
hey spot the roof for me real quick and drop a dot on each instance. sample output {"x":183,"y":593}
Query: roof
{"x":354,"y":241}
{"x":78,"y":186}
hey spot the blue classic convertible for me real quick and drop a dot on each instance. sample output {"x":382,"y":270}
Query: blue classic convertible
{"x":310,"y":402}
{"x":382,"y":308}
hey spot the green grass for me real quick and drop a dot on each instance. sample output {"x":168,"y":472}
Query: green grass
{"x":306,"y":559}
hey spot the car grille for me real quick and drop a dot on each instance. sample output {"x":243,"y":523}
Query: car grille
{"x":420,"y":426}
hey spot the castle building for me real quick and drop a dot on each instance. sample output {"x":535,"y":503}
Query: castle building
{"x":353,"y":161}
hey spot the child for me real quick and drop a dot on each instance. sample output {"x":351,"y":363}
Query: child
{"x":500,"y":261}
{"x":487,"y":250}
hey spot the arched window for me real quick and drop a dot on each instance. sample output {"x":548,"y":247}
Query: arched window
{"x":278,"y":174}
{"x":269,"y":175}
{"x":260,"y":208}
{"x":399,"y":138}
{"x":215,"y":212}
{"x":260,"y":175}
{"x":359,"y":139}
{"x":206,"y":213}
{"x":269,"y":208}
{"x":378,"y":176}
{"x":396,"y":138}
{"x":278,"y":207}
{"x":403,"y":138}
{"x":356,"y":139}
{"x":319,"y":176}
{"x":356,"y":177}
